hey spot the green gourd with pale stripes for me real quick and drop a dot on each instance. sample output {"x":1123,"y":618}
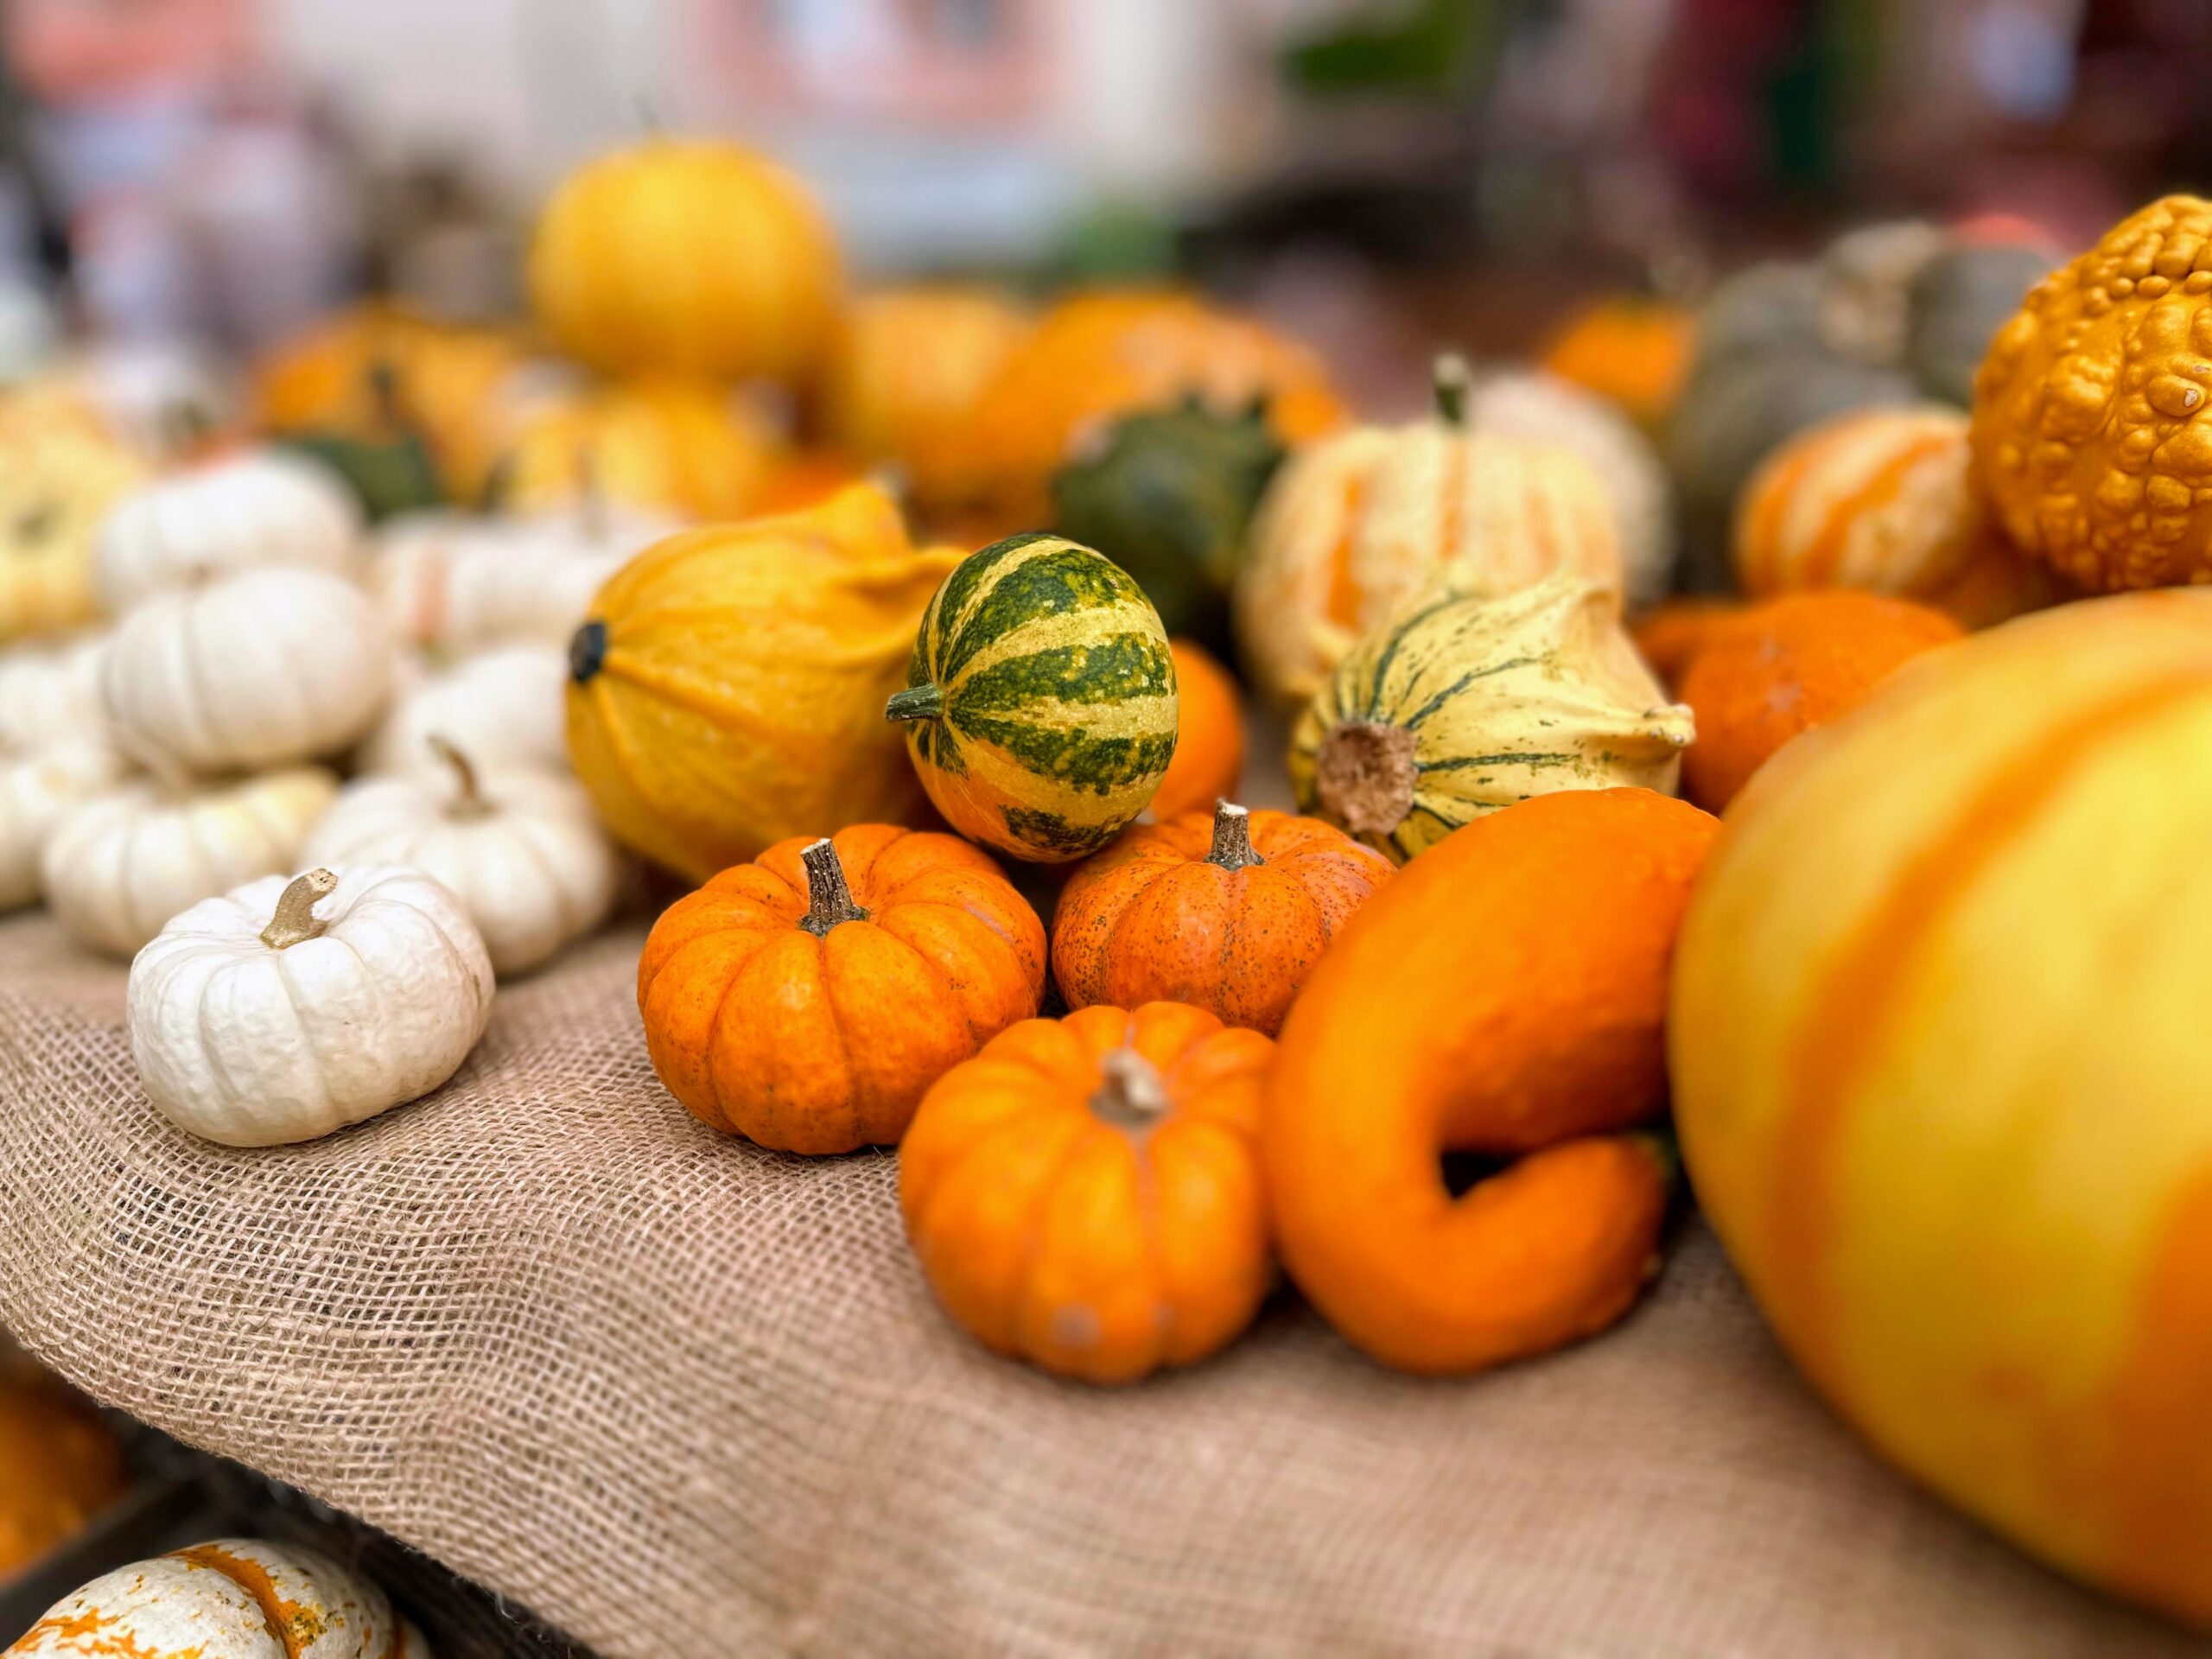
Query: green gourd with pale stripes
{"x":1040,"y":699}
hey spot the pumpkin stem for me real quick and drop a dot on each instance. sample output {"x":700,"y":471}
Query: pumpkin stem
{"x":384,"y":393}
{"x":295,"y":922}
{"x":1131,"y":1096}
{"x":498,"y":484}
{"x":1232,"y":838}
{"x":829,"y":900}
{"x":1453,"y":380}
{"x":468,"y":800}
{"x":916,"y":703}
{"x":1364,"y":776}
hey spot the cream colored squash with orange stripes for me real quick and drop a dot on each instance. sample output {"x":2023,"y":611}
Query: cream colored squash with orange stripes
{"x":1356,"y":525}
{"x":1940,"y":1069}
{"x":1883,"y":499}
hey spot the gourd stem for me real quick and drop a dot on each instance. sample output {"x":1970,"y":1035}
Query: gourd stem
{"x":829,"y":900}
{"x":1232,"y":838}
{"x":498,"y":484}
{"x":1131,"y":1096}
{"x":295,"y":922}
{"x":1365,"y":774}
{"x":468,"y":800}
{"x":1453,"y":380}
{"x":916,"y":703}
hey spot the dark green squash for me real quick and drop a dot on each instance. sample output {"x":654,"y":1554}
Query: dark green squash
{"x":1168,"y":495}
{"x":390,"y":470}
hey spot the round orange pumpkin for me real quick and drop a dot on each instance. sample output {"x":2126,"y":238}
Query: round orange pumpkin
{"x":1506,"y":995}
{"x":1669,"y":637}
{"x":807,"y":1000}
{"x":1628,"y":348}
{"x":1083,"y":1194}
{"x":1100,"y":354}
{"x":1228,"y":911}
{"x":1209,"y":735}
{"x":905,"y":366}
{"x":1786,"y":666}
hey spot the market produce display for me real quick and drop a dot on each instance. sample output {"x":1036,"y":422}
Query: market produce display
{"x":231,"y":1599}
{"x":1463,"y":704}
{"x":1039,"y":707}
{"x":1354,"y":527}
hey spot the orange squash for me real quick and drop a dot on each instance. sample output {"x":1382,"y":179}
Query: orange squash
{"x":1228,"y":911}
{"x":1083,"y":1194}
{"x":1630,"y":348}
{"x":1100,"y":354}
{"x":59,"y":1465}
{"x":807,"y":1000}
{"x":1786,"y":666}
{"x":1669,"y":637}
{"x":1529,"y":1028}
{"x":1209,"y":735}
{"x":905,"y":366}
{"x":1880,"y":499}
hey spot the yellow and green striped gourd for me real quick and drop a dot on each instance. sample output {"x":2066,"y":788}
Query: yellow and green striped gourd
{"x":1040,"y":700}
{"x":1462,"y":704}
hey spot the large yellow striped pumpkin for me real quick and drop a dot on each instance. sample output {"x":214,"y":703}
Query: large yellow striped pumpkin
{"x":1354,"y":526}
{"x":1882,"y":499}
{"x":1041,"y":705}
{"x":727,"y":689}
{"x":1944,"y":1082}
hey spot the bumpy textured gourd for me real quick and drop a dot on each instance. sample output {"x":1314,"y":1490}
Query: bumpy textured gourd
{"x":231,"y":1599}
{"x":1882,"y":499}
{"x":1083,"y":1194}
{"x":1355,"y":526}
{"x":1168,"y":495}
{"x":2090,"y":429}
{"x":1039,"y":705}
{"x":290,"y":1007}
{"x":1465,"y":704}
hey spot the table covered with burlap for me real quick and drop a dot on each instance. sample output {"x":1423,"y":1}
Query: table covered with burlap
{"x":691,"y":1399}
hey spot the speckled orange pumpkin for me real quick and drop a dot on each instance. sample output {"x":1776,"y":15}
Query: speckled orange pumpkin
{"x":1227,"y":910}
{"x":808,"y":998}
{"x":1530,"y":1026}
{"x":2093,"y":410}
{"x":1788,"y":666}
{"x":1083,"y":1194}
{"x":1209,"y":735}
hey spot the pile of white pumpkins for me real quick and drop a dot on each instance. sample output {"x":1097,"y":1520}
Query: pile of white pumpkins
{"x":165,"y":780}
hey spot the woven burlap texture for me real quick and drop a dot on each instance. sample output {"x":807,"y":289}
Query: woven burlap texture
{"x":691,"y":1400}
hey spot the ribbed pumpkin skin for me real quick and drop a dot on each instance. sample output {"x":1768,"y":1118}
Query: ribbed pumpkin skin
{"x":1355,"y":526}
{"x":687,"y":256}
{"x":1465,"y":705}
{"x":727,"y":691}
{"x":1055,"y":706}
{"x":1881,"y":499}
{"x":1938,"y":1045}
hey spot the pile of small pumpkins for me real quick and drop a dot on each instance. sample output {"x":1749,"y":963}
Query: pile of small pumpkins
{"x":1414,"y":1046}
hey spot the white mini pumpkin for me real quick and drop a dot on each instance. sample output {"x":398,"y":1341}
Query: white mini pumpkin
{"x":266,"y":506}
{"x":232,"y":1598}
{"x":119,"y":865}
{"x":290,"y":1008}
{"x":36,"y":789}
{"x":260,"y":669}
{"x":51,"y":690}
{"x":505,"y":705}
{"x":520,"y":847}
{"x":451,"y":582}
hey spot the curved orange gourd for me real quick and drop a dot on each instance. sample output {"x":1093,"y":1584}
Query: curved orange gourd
{"x":1529,"y":1025}
{"x":807,"y":1000}
{"x":1085,"y":1192}
{"x":1226,"y":910}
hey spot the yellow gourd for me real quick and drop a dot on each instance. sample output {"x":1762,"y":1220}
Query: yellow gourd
{"x":59,"y":476}
{"x":727,"y":690}
{"x":657,"y":443}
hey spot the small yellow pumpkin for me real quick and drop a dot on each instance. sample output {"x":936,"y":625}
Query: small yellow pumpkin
{"x":727,"y":691}
{"x":688,"y":256}
{"x":657,"y":444}
{"x":59,"y":476}
{"x":1355,"y":526}
{"x":1465,"y":704}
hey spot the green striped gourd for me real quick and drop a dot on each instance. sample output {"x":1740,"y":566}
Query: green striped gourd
{"x":1041,"y":698}
{"x":1462,"y":704}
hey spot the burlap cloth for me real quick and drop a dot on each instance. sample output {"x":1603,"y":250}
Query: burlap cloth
{"x":686,"y":1398}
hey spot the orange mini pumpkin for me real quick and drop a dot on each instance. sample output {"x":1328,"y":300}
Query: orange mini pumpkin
{"x":1227,"y":910}
{"x":808,"y":998}
{"x":1084,"y":1194}
{"x":1209,"y":735}
{"x":1630,"y":347}
{"x":1790,"y":665}
{"x":1669,"y":637}
{"x":1537,"y":1028}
